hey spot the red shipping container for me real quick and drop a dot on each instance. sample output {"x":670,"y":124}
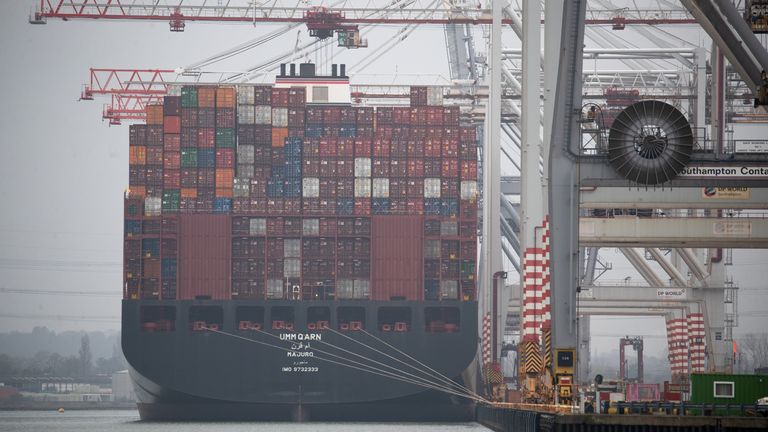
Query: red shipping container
{"x":172,"y":142}
{"x":137,"y":155}
{"x":275,"y":227}
{"x":381,"y":148}
{"x":188,"y":117}
{"x":364,"y":131}
{"x":397,"y":249}
{"x":188,"y":205}
{"x":362,"y":147}
{"x":467,"y":150}
{"x":189,"y":178}
{"x":262,"y":171}
{"x":451,"y":115}
{"x":328,"y":147}
{"x":311,"y":148}
{"x":451,"y":133}
{"x":225,"y":117}
{"x":418,"y":133}
{"x":332,"y":114}
{"x":415,"y":167}
{"x":327,"y":206}
{"x":345,"y":167}
{"x":206,"y":117}
{"x":172,"y":124}
{"x":155,"y":135}
{"x":275,"y":205}
{"x":398,"y":188}
{"x":154,"y":176}
{"x":280,"y":97}
{"x":278,"y":137}
{"x":263,"y":95}
{"x":206,"y":137}
{"x":415,"y":206}
{"x":311,"y":206}
{"x":327,"y":168}
{"x":432,"y":147}
{"x":224,"y":178}
{"x":384,"y":132}
{"x":259,"y":206}
{"x":450,"y":148}
{"x":398,"y":168}
{"x":241,"y":206}
{"x":415,"y":188}
{"x":399,"y":148}
{"x":432,"y":168}
{"x":292,"y":205}
{"x":415,"y":148}
{"x":297,"y":96}
{"x":171,"y":179}
{"x":204,"y":256}
{"x":435,"y":132}
{"x":345,"y":147}
{"x":331,"y":131}
{"x":380,"y":167}
{"x":468,"y":209}
{"x":450,"y":168}
{"x":364,"y":115}
{"x":224,"y":192}
{"x":384,"y":115}
{"x":296,"y":117}
{"x":362,"y":206}
{"x":469,"y":170}
{"x":449,"y":188}
{"x":434,"y":115}
{"x":311,"y":167}
{"x":137,"y":135}
{"x":398,"y":206}
{"x":401,"y":116}
{"x":206,"y":178}
{"x":314,"y":114}
{"x":418,"y":115}
{"x":258,"y":188}
{"x":225,"y":158}
{"x":188,"y":137}
{"x":328,"y":188}
{"x":263,"y":135}
{"x":172,"y":160}
{"x":468,"y":135}
{"x":345,"y":187}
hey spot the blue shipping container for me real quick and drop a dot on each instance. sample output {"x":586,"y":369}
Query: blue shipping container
{"x":278,"y":172}
{"x":150,"y":247}
{"x":314,"y":131}
{"x":380,"y":206}
{"x":206,"y":158}
{"x":169,"y":268}
{"x":432,"y":206}
{"x":222,"y":205}
{"x":431,"y":289}
{"x":449,"y":207}
{"x":275,"y":188}
{"x":292,"y":169}
{"x":345,"y":206}
{"x":348,"y":131}
{"x":292,"y":188}
{"x":132,"y":227}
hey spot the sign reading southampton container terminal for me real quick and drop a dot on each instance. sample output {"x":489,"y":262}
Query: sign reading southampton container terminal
{"x":733,"y":171}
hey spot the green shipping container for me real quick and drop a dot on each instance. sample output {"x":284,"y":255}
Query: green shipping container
{"x":722,"y":389}
{"x":188,"y":97}
{"x":188,"y":157}
{"x":171,"y":199}
{"x":468,"y":270}
{"x":225,"y":137}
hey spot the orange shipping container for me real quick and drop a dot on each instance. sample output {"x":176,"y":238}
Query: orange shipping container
{"x":206,"y":97}
{"x":223,"y":192}
{"x":137,"y":155}
{"x":137,"y":192}
{"x":172,"y":125}
{"x":278,"y":137}
{"x":189,"y":192}
{"x":154,"y":114}
{"x":225,"y":97}
{"x":224,"y":178}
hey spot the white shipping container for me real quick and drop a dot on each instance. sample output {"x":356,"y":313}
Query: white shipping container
{"x":244,"y":171}
{"x":292,"y":248}
{"x":434,"y":96}
{"x":245,"y":153}
{"x":311,"y":227}
{"x":362,"y":289}
{"x":153,"y":206}
{"x":310,"y":187}
{"x":345,"y":288}
{"x":431,"y":188}
{"x":245,"y":95}
{"x":263,"y":115}
{"x":258,"y":226}
{"x":174,"y":90}
{"x":292,"y":268}
{"x":246,"y":114}
{"x":468,"y":190}
{"x":381,"y":188}
{"x":241,"y":188}
{"x":275,"y":288}
{"x":280,"y":117}
{"x":432,"y":249}
{"x":449,"y":228}
{"x":362,"y":167}
{"x":449,"y":289}
{"x":363,"y":187}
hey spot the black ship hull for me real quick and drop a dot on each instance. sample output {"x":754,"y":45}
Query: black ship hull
{"x":315,"y":375}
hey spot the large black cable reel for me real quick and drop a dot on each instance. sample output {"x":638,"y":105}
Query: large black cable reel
{"x":650,"y":142}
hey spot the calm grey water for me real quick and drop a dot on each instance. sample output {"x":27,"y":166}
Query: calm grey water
{"x":128,"y":421}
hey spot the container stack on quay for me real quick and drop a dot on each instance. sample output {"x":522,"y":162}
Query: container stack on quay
{"x":249,"y":192}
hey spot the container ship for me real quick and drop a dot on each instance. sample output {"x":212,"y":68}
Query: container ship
{"x":286,"y":250}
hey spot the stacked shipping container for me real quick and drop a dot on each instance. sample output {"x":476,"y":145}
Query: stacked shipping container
{"x":317,"y":196}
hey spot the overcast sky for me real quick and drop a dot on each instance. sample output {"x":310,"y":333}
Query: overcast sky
{"x":64,"y":170}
